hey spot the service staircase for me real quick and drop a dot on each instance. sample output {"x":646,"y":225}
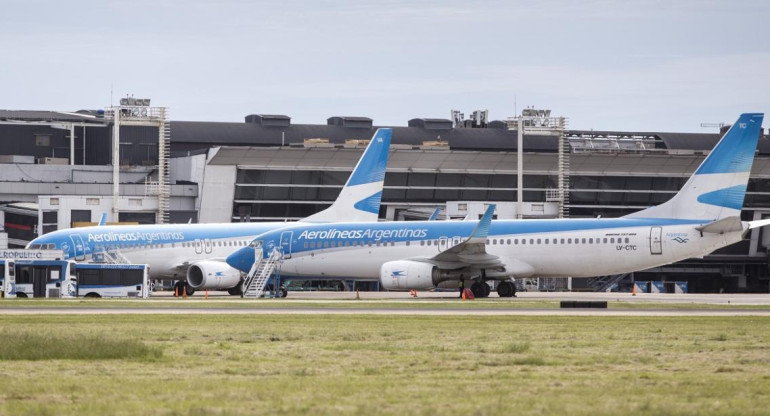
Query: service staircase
{"x":604,"y":283}
{"x":256,"y":280}
{"x":113,"y":256}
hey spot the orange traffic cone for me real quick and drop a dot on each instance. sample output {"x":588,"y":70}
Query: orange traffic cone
{"x":207,"y":294}
{"x":463,"y":295}
{"x":357,"y":296}
{"x":184,"y":292}
{"x":633,"y":290}
{"x":176,"y":291}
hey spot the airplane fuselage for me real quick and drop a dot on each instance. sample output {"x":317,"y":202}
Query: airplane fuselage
{"x":543,"y":248}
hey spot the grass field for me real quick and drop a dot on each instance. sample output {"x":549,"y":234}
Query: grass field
{"x":365,"y":364}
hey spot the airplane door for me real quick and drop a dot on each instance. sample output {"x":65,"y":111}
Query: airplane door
{"x":208,"y":246}
{"x":656,"y":243}
{"x":286,"y":243}
{"x":9,"y":285}
{"x":198,"y":246}
{"x":442,"y":244}
{"x":78,"y":247}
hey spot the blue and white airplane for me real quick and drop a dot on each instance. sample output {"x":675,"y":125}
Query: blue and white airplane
{"x":196,"y":252}
{"x":702,"y":217}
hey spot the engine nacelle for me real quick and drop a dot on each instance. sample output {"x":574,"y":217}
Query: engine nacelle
{"x":209,"y":274}
{"x":406,"y":274}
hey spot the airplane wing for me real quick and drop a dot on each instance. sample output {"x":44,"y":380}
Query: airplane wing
{"x":472,"y":251}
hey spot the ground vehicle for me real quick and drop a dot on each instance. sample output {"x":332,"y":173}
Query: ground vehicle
{"x":113,"y":280}
{"x":39,"y":278}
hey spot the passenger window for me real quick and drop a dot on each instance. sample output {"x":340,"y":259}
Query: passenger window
{"x":523,"y":241}
{"x":531,"y":241}
{"x":584,"y":241}
{"x":627,"y":240}
{"x":508,"y":242}
{"x":422,"y":242}
{"x":612,"y":240}
{"x":538,"y":241}
{"x":515,"y":241}
{"x":590,"y":241}
{"x":407,"y":243}
{"x":546,"y":241}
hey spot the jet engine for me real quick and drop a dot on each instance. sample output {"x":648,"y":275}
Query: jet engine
{"x":209,"y":274}
{"x":406,"y":274}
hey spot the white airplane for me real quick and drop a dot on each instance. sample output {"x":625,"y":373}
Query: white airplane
{"x":702,"y":217}
{"x":196,"y":252}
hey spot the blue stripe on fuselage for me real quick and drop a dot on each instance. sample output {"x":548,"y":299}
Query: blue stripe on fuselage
{"x":432,"y":230}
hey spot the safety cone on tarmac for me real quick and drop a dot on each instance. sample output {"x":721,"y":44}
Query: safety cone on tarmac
{"x":463,"y":295}
{"x":176,"y":291}
{"x":207,"y":293}
{"x":633,"y":290}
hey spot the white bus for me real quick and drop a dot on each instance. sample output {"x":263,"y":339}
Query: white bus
{"x":113,"y":280}
{"x":38,"y":278}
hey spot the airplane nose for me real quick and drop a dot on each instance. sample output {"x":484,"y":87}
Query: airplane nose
{"x":241,"y":259}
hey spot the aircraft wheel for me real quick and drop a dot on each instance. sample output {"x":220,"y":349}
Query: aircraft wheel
{"x":235,"y":291}
{"x":189,"y":289}
{"x":486,"y":288}
{"x":505,"y":289}
{"x":283,"y":292}
{"x":478,"y":289}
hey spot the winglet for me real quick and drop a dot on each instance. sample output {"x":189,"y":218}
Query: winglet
{"x":482,"y":228}
{"x":103,"y":219}
{"x":434,"y":216}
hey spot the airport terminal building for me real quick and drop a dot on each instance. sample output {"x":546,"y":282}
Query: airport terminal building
{"x":57,"y":171}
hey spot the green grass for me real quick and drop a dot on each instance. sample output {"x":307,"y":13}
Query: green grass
{"x":28,"y":345}
{"x":404,"y":364}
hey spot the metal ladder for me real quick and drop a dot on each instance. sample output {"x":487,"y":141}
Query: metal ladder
{"x":256,"y":280}
{"x":604,"y":283}
{"x":113,"y":256}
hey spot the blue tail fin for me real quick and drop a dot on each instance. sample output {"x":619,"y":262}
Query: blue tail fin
{"x":717,"y":188}
{"x":360,"y":199}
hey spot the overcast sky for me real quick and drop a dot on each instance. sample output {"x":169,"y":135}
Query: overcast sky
{"x":626,"y":65}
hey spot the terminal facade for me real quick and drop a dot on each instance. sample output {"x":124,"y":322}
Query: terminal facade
{"x":57,"y":171}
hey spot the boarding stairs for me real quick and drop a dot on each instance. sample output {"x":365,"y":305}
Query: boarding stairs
{"x":605,"y":283}
{"x":113,"y":256}
{"x":256,"y":280}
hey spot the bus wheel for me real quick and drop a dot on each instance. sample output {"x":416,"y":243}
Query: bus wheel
{"x":92,"y":295}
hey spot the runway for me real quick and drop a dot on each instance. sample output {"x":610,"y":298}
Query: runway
{"x":401,"y":303}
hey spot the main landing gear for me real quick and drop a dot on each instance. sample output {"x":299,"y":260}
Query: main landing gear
{"x":480,"y":289}
{"x":506,"y":289}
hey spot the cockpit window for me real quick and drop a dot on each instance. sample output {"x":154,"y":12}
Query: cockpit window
{"x":256,"y":244}
{"x":34,"y":246}
{"x":51,"y":246}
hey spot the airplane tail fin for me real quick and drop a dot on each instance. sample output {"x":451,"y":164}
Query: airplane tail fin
{"x":717,"y":188}
{"x":359,"y":200}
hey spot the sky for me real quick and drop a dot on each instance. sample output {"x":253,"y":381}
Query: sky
{"x":633,"y":65}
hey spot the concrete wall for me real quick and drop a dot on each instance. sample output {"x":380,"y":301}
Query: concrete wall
{"x":217,"y":192}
